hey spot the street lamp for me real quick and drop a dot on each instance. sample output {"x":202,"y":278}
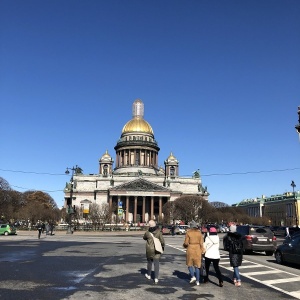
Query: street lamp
{"x":293,"y":185}
{"x":70,"y":209}
{"x":298,"y":125}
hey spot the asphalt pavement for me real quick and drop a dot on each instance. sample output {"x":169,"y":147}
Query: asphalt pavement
{"x":107,"y":265}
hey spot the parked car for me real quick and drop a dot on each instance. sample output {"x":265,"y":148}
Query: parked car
{"x":7,"y":229}
{"x":255,"y":238}
{"x":183,"y":229}
{"x":289,"y":251}
{"x":278,"y":230}
{"x":294,"y":230}
{"x":223,"y":228}
{"x":168,"y":230}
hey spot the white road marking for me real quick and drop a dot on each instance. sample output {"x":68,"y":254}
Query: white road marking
{"x":275,"y":281}
{"x":269,"y":283}
{"x":261,"y":273}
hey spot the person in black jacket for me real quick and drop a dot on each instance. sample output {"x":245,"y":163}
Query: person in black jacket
{"x":235,"y":244}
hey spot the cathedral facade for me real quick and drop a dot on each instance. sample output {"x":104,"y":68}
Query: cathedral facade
{"x":135,"y":185}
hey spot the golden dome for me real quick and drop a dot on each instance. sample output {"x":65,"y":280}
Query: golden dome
{"x":137,"y":125}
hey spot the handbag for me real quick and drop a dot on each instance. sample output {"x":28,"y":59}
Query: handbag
{"x":202,"y":269}
{"x":157,"y":244}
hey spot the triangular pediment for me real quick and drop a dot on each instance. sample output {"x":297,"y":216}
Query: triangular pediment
{"x":139,"y":185}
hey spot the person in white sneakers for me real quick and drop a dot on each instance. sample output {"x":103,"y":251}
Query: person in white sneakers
{"x":235,"y":253}
{"x":152,"y":255}
{"x":194,"y":243}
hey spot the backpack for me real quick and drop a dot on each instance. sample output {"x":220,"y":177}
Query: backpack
{"x":236,"y":246}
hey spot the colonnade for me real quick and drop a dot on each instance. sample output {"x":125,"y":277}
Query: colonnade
{"x":138,"y":208}
{"x":138,"y":157}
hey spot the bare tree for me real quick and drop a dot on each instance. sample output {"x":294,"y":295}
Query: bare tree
{"x":168,"y":211}
{"x":40,"y":206}
{"x":4,"y":198}
{"x":4,"y":185}
{"x":188,"y":208}
{"x":100,"y":214}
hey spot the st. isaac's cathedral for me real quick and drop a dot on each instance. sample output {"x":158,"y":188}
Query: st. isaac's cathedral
{"x":136,"y":186}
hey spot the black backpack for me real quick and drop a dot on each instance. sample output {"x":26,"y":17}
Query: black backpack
{"x":236,"y":246}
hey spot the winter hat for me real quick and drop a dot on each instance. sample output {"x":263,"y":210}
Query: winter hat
{"x":212,"y":229}
{"x":152,"y":223}
{"x":232,"y":228}
{"x":193,"y":224}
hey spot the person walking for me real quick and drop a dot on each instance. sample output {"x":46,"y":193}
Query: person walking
{"x":193,"y":242}
{"x":152,"y":255}
{"x":212,"y":254}
{"x":235,"y":244}
{"x":39,"y":228}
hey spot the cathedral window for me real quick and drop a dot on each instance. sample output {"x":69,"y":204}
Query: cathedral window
{"x":172,"y":171}
{"x":105,"y":171}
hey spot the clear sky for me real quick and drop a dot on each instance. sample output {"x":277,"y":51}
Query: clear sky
{"x":220,"y":81}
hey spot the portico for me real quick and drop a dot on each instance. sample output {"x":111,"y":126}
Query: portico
{"x":140,"y":200}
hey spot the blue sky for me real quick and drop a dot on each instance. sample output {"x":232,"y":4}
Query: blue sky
{"x":219,"y":81}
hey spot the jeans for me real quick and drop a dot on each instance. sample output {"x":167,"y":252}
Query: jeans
{"x":195,"y":271}
{"x":236,"y":273}
{"x":156,"y":267}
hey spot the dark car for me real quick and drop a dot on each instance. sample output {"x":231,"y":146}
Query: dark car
{"x":255,"y":238}
{"x":289,"y":251}
{"x":294,"y":230}
{"x":278,"y":230}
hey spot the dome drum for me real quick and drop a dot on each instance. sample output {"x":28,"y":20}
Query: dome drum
{"x":137,"y":144}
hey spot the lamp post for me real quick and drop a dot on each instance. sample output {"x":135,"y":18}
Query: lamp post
{"x":70,"y":209}
{"x":298,"y":125}
{"x":293,"y":185}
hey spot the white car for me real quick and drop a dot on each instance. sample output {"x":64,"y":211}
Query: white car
{"x":183,"y":228}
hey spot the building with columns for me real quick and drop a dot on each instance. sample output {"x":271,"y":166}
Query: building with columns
{"x":281,"y":210}
{"x":136,"y":185}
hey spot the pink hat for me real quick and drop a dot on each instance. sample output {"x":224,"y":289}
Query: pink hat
{"x":212,"y":229}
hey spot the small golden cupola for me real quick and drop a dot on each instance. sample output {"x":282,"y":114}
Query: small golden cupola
{"x":105,"y":164}
{"x":171,"y":166}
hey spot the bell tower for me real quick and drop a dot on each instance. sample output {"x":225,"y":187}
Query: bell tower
{"x":105,"y":165}
{"x":171,"y":166}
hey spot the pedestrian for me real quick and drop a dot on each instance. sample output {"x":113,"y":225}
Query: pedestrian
{"x":173,"y":229}
{"x":51,"y":228}
{"x":287,"y":232}
{"x":39,"y":228}
{"x":235,"y":244}
{"x":193,"y":243}
{"x":212,"y":254}
{"x":43,"y":227}
{"x":152,"y":255}
{"x":47,"y":226}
